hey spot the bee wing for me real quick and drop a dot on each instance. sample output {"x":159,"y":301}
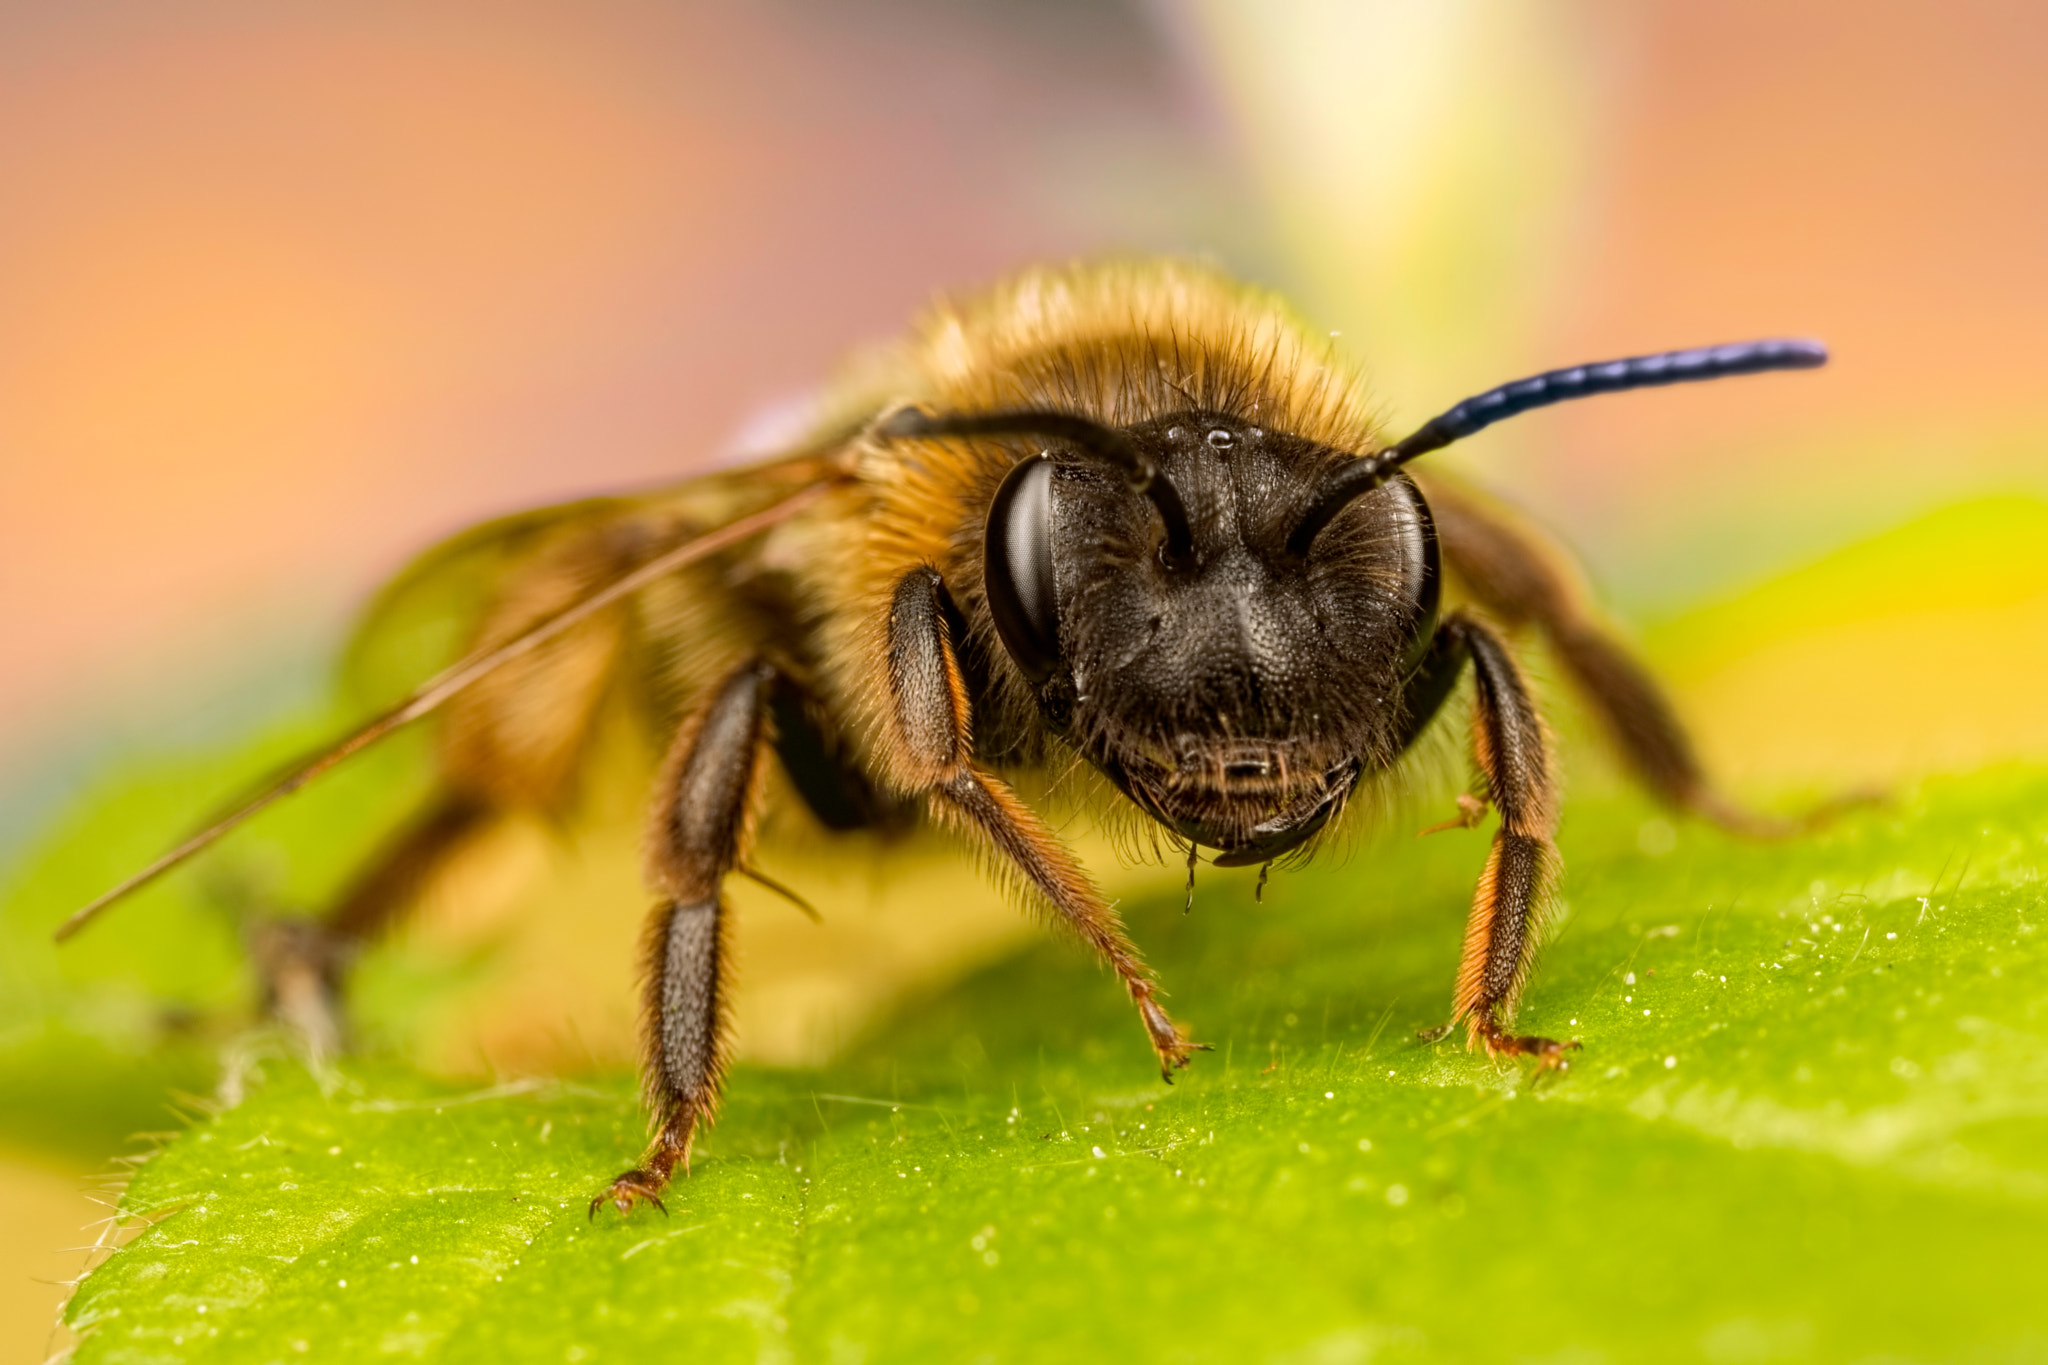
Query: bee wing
{"x":787,"y":486}
{"x":422,"y":618}
{"x":434,"y":608}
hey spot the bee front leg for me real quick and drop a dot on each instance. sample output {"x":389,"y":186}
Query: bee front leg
{"x":701,"y":823}
{"x":1501,"y":934}
{"x":930,"y":755}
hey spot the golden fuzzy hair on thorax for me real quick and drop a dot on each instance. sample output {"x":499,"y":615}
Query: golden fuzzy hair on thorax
{"x":1129,"y":341}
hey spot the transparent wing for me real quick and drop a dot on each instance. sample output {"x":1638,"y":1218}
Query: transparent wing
{"x":435,"y":608}
{"x":454,"y":583}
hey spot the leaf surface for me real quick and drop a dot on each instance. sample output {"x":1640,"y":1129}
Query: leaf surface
{"x":1810,"y":1122}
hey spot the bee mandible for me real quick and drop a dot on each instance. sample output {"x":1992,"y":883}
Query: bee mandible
{"x":1130,"y":520}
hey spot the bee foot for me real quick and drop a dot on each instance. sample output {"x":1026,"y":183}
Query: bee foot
{"x":629,"y":1189}
{"x":299,"y":965}
{"x":1175,"y":1048}
{"x":1548,"y":1052}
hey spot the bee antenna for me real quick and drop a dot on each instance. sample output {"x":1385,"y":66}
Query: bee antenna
{"x":1092,"y":438}
{"x":1482,"y":410}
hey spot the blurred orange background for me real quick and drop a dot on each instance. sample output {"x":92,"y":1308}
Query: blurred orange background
{"x":286,"y":293}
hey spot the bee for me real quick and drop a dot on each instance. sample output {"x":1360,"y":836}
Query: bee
{"x":1131,"y":525}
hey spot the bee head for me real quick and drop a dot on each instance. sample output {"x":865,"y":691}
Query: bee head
{"x":1232,"y":683}
{"x":1223,"y":617}
{"x":1231,"y":675}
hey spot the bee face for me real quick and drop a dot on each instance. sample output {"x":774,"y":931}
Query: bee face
{"x":1232,"y":686}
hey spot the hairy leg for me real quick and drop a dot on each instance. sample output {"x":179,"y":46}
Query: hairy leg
{"x":929,"y":753}
{"x":1513,"y":753}
{"x":301,"y":964}
{"x":384,"y":890}
{"x":701,"y":826}
{"x":514,"y":742}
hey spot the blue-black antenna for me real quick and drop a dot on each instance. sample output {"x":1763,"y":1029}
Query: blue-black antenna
{"x":1482,"y":410}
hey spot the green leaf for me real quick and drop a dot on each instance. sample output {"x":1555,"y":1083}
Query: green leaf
{"x":1810,"y":1123}
{"x":94,"y":1035}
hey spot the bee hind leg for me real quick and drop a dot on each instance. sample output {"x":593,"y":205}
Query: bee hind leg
{"x":302,"y":964}
{"x":299,"y":969}
{"x":701,"y":817}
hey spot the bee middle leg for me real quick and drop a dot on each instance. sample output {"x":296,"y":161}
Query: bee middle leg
{"x":931,"y":755}
{"x":702,"y":818}
{"x":1513,"y":753}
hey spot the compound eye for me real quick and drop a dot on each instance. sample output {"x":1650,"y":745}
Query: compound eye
{"x":1019,"y":569}
{"x":1423,"y":565}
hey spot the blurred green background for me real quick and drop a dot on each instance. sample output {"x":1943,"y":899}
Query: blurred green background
{"x":286,"y":295}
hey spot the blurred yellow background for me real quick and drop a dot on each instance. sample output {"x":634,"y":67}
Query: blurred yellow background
{"x":286,"y":293}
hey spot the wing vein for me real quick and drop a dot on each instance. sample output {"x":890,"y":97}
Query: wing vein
{"x":452,"y":680}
